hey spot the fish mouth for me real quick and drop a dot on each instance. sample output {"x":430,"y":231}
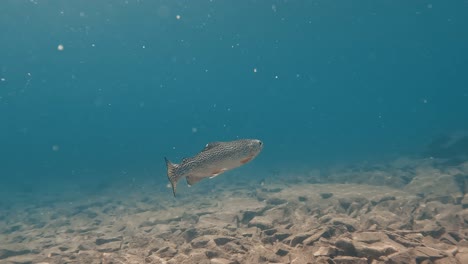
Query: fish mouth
{"x":257,"y":143}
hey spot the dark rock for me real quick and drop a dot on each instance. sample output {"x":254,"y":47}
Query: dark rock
{"x":6,"y":253}
{"x":63,"y":248}
{"x":433,"y":230}
{"x":282,"y":252}
{"x":270,"y":232}
{"x":302,"y":198}
{"x":211,"y":254}
{"x":448,"y":239}
{"x":346,"y":245}
{"x":261,"y":222}
{"x":326,"y":195}
{"x":247,"y":216}
{"x":281,"y":236}
{"x":444,"y":199}
{"x":349,"y":223}
{"x":297,"y":239}
{"x":268,"y":240}
{"x":219,"y":241}
{"x":190,"y":234}
{"x":101,"y":241}
{"x":12,"y":229}
{"x":381,"y":199}
{"x":274,"y":190}
{"x":234,"y":248}
{"x":167,"y":252}
{"x":200,"y":242}
{"x":464,"y":201}
{"x":276,"y":201}
{"x":345,"y":202}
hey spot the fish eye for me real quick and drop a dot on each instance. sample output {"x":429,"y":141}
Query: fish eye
{"x":260,"y":143}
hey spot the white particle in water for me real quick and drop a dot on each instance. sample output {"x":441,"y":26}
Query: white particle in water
{"x":194,"y":130}
{"x":2,"y":79}
{"x":60,"y":47}
{"x":177,"y":17}
{"x":255,"y":70}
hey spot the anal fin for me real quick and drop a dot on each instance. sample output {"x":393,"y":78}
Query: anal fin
{"x":191,"y":180}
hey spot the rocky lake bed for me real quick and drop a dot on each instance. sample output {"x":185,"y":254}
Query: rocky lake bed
{"x":405,"y":211}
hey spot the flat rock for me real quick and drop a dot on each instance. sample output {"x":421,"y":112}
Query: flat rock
{"x":402,"y":257}
{"x":430,"y":253}
{"x":220,"y":261}
{"x":462,"y":257}
{"x":375,"y":250}
{"x":323,"y":232}
{"x":349,"y":260}
{"x":329,"y":251}
{"x":370,"y":237}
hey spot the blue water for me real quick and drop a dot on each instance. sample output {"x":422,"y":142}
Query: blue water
{"x":320,"y":82}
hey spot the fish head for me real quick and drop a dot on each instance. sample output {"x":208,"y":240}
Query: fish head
{"x":253,"y":147}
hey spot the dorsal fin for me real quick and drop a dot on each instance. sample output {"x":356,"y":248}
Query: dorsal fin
{"x":211,"y":145}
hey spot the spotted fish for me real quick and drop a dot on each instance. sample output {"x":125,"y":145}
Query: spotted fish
{"x":213,"y":160}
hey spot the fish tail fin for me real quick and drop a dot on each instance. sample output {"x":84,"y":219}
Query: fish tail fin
{"x":172,"y":175}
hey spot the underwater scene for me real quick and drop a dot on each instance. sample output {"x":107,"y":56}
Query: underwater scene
{"x":232,"y":132}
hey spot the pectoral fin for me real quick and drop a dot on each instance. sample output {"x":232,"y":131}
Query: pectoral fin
{"x":217,"y":172}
